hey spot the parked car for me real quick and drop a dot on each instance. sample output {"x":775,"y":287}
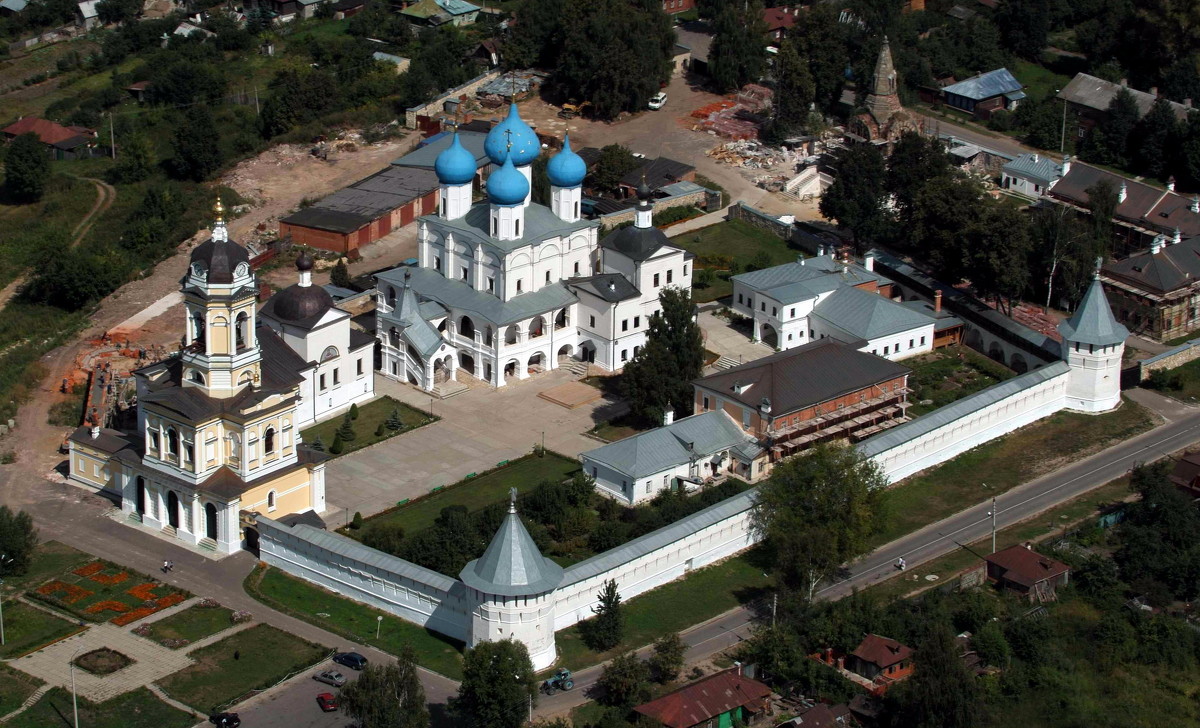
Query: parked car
{"x":659,"y":100}
{"x":352,"y":660}
{"x":331,"y":677}
{"x":225,"y":720}
{"x":327,"y":702}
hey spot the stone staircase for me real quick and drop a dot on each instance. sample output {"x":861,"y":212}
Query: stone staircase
{"x":448,"y":389}
{"x":576,"y":367}
{"x":726,"y":362}
{"x":37,"y":695}
{"x":207,"y":544}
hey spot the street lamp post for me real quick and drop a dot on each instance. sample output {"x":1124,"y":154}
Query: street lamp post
{"x":1062,"y":138}
{"x":378,"y":624}
{"x":74,"y":698}
{"x":5,"y":560}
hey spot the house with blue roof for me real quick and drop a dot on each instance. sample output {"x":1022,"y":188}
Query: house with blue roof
{"x":827,"y":297}
{"x":985,"y":94}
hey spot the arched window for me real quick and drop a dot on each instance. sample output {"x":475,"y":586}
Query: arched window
{"x":197,"y":377}
{"x":246,"y":378}
{"x":269,"y":440}
{"x":172,"y":442}
{"x":198,"y":326}
{"x":241,"y":328}
{"x":329,"y":353}
{"x":271,"y":501}
{"x":391,"y":297}
{"x":394,"y":336}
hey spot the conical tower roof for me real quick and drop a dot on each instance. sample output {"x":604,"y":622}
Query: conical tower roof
{"x":512,"y":565}
{"x":884,"y":99}
{"x":1093,"y":322}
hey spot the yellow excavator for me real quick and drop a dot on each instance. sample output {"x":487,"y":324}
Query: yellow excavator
{"x":570,"y":111}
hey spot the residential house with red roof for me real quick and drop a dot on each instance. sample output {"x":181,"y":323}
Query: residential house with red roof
{"x":714,"y":702}
{"x":881,"y":660}
{"x":62,"y":142}
{"x":778,"y":20}
{"x":1025,"y":571}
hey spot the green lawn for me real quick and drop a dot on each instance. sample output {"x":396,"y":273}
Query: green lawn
{"x":1003,"y":464}
{"x":17,"y":688}
{"x":613,"y":430}
{"x":27,"y":628}
{"x":136,"y":709}
{"x":353,"y":620}
{"x":700,"y":596}
{"x":942,"y":377}
{"x":736,"y":239}
{"x":1183,"y":339}
{"x":192,"y":624}
{"x":265,"y":655}
{"x":49,"y":559}
{"x":481,"y":491}
{"x":1182,"y":382}
{"x":1039,"y":81}
{"x":370,"y":416}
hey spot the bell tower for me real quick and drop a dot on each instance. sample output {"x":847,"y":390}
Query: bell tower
{"x":220,"y":350}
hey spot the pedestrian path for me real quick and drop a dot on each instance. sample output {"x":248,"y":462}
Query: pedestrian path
{"x":37,"y":695}
{"x":161,"y":695}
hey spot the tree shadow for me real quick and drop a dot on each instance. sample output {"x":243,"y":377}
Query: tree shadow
{"x":439,"y":716}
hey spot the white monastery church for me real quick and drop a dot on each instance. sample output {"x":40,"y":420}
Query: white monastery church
{"x":507,"y":287}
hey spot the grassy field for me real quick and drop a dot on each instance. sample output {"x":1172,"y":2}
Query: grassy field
{"x":483,"y":490}
{"x":17,"y":688}
{"x":1039,"y":81}
{"x":353,"y":620}
{"x":1003,"y":464}
{"x":49,"y":559}
{"x":732,"y":238}
{"x":29,"y":230}
{"x":1182,"y":382}
{"x":370,"y":416}
{"x":265,"y":655}
{"x":136,"y":709}
{"x":942,"y":377}
{"x":700,"y":596}
{"x":100,"y":591}
{"x":27,"y":628}
{"x":192,"y":624}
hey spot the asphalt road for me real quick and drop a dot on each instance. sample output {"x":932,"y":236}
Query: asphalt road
{"x":998,"y":142}
{"x":294,"y":704}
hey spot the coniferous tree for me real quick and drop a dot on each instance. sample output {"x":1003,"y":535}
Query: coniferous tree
{"x":340,"y":275}
{"x":26,"y":168}
{"x":337,"y":446}
{"x":393,"y":421}
{"x":1154,"y":138}
{"x":353,"y":411}
{"x":18,"y":539}
{"x":317,"y":444}
{"x":346,"y":430}
{"x":660,"y":376}
{"x":606,"y":628}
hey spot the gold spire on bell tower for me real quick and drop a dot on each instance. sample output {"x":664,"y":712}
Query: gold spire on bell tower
{"x":218,"y":211}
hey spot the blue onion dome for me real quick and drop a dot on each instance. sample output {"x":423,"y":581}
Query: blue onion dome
{"x":507,"y":186}
{"x":566,"y":169}
{"x":513,"y":130}
{"x":455,"y":165}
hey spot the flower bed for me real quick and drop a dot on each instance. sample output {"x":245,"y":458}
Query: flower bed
{"x":95,"y":572}
{"x":101,"y":591}
{"x":103,"y":661}
{"x":72,"y":593}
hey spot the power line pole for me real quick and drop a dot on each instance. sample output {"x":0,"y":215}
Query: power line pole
{"x":257,"y":111}
{"x":993,"y":524}
{"x":774,"y":606}
{"x":112,"y":139}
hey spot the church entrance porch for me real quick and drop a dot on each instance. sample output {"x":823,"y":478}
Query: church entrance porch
{"x":565,"y":354}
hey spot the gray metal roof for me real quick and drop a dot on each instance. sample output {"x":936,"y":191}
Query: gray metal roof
{"x":1096,"y":93}
{"x":986,"y":85}
{"x":1172,"y":267}
{"x":1036,"y":167}
{"x":413,"y":327}
{"x":389,"y":58}
{"x":320,"y":218}
{"x":1093,"y":322}
{"x":512,"y":565}
{"x":611,"y":287}
{"x":957,"y":410}
{"x":650,"y":453}
{"x":460,"y":296}
{"x":675,"y":189}
{"x":386,"y":190}
{"x":868,"y":315}
{"x":15,"y":6}
{"x":801,"y":281}
{"x":425,"y":156}
{"x":474,"y":227}
{"x":353,"y":550}
{"x":643,"y":545}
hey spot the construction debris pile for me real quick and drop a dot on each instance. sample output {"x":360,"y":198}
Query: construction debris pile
{"x":753,"y":154}
{"x":512,"y":86}
{"x":736,"y":117}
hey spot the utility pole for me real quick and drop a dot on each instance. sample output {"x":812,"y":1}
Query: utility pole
{"x":993,"y":524}
{"x":5,"y":560}
{"x":112,"y":139}
{"x":774,"y":606}
{"x":1062,"y":138}
{"x":257,"y":111}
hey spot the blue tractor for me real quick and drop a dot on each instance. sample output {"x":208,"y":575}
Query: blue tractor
{"x":560,"y":680}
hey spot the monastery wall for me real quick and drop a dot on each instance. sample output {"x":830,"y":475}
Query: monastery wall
{"x":1169,"y":359}
{"x":345,"y":566}
{"x":951,"y":430}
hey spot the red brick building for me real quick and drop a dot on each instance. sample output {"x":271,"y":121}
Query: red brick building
{"x":1026,"y":572}
{"x":365,"y":211}
{"x":674,"y":7}
{"x":819,"y":392}
{"x":62,"y":142}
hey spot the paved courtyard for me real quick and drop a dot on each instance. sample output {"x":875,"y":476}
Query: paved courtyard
{"x":720,"y":336}
{"x":479,"y":428}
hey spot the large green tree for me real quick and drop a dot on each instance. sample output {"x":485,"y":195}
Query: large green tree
{"x":1024,"y":26}
{"x":821,"y":41}
{"x":26,"y":168}
{"x":659,"y":378}
{"x":856,"y":197}
{"x":196,"y":145}
{"x":388,"y":695}
{"x":943,"y":210}
{"x":1154,"y":138}
{"x":915,"y":160}
{"x":666,"y":661}
{"x":118,"y":11}
{"x":795,"y":91}
{"x":18,"y":539}
{"x":739,"y":50}
{"x":606,"y":629}
{"x":624,"y":682}
{"x":537,"y":38}
{"x":615,"y":162}
{"x":942,"y":693}
{"x":498,"y":686}
{"x":816,"y":512}
{"x":1155,"y":543}
{"x":135,"y":159}
{"x":999,"y":257}
{"x":1109,"y":141}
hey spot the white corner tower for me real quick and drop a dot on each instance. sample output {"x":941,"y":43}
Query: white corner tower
{"x":566,"y":171}
{"x":1093,"y":342}
{"x":510,"y":591}
{"x":455,"y":168}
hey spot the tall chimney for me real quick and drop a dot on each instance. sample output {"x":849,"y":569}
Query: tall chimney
{"x":869,"y":260}
{"x":937,"y":301}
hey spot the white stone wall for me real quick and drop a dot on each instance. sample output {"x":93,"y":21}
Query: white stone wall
{"x":969,"y":422}
{"x":342,"y":565}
